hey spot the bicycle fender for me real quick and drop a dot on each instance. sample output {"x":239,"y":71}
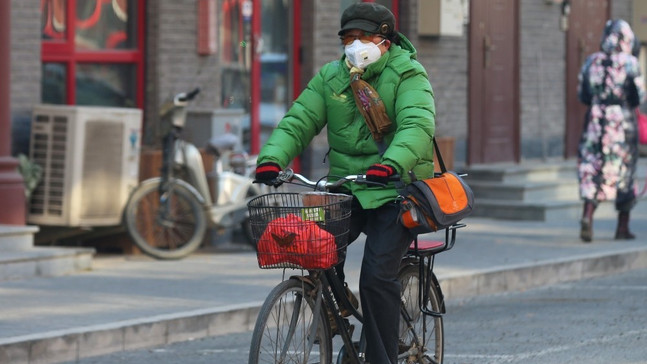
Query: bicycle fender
{"x":304,"y":279}
{"x":435,"y":282}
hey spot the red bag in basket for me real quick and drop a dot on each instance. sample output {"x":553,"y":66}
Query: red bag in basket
{"x":290,"y":239}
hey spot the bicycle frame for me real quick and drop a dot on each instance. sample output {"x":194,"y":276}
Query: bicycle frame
{"x":329,"y":289}
{"x":333,"y":288}
{"x":424,"y":259}
{"x":328,"y":292}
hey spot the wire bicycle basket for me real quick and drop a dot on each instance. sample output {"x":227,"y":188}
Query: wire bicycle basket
{"x":307,"y":230}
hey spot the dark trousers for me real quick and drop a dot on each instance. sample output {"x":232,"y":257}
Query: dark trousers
{"x":386,"y":243}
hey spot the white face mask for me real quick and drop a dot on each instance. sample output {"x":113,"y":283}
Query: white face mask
{"x":361,"y":54}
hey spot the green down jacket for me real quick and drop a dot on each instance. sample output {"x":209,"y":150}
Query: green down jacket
{"x":404,"y":87}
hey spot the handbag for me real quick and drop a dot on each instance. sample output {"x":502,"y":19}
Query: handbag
{"x":435,"y":203}
{"x":641,"y":120}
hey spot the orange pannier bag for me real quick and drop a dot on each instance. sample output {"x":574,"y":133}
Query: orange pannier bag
{"x":435,"y":203}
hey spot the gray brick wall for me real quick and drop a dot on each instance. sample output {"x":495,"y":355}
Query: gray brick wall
{"x":25,"y":69}
{"x":320,"y":45}
{"x":151,"y":128}
{"x":542,"y":83}
{"x":408,"y":22}
{"x":445,"y":59}
{"x":180,"y":68}
{"x":326,"y":26}
{"x":622,"y":9}
{"x":173,"y":64}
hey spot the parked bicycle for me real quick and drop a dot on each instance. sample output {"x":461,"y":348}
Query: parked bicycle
{"x":168,"y":216}
{"x":309,"y":232}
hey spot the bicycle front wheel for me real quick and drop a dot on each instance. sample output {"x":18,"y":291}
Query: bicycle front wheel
{"x":165,"y":226}
{"x":289,"y":329}
{"x":421,"y":335}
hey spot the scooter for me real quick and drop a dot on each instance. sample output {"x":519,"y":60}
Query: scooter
{"x":167,"y":216}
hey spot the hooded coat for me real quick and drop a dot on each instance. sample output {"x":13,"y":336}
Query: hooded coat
{"x":327,"y":101}
{"x":611,"y":85}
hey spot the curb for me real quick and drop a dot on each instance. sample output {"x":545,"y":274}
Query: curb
{"x":82,"y":342}
{"x":87,"y":341}
{"x":527,"y":276}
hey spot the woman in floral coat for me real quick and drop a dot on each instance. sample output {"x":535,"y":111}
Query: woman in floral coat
{"x":611,"y":85}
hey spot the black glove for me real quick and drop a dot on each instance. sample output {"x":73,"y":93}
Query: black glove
{"x":267,"y":172}
{"x":379,"y":173}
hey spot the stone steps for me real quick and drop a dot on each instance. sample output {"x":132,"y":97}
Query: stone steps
{"x":529,"y":191}
{"x":527,"y":171}
{"x":20,"y":259}
{"x":536,"y":191}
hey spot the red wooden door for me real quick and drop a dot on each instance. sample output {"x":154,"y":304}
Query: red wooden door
{"x":586,"y":22}
{"x":493,"y":78}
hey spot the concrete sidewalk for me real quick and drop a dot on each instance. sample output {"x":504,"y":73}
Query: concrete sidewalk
{"x":126,"y":303}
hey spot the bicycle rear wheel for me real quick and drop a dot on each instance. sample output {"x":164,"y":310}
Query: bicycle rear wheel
{"x":165,"y":227}
{"x":424,"y":340}
{"x":284,"y":325}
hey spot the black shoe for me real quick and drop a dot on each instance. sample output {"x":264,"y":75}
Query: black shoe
{"x":625,"y":235}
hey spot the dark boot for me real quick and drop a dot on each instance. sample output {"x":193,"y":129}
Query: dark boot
{"x":622,"y":232}
{"x":586,"y":231}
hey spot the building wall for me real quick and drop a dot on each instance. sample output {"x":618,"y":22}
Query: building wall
{"x":173,"y":64}
{"x":445,"y":59}
{"x":151,"y":127}
{"x":320,"y":45}
{"x":542,"y":76}
{"x":622,"y":9}
{"x":25,"y":70}
{"x":542,"y":73}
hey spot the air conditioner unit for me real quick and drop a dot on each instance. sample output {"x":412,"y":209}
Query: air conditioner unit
{"x":90,"y":160}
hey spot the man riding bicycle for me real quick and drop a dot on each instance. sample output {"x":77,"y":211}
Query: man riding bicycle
{"x":378,"y":107}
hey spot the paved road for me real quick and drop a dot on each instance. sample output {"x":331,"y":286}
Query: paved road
{"x":128,"y":303}
{"x":602,"y":320}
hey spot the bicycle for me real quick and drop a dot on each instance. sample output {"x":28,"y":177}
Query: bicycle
{"x":167,"y":216}
{"x":293,"y":324}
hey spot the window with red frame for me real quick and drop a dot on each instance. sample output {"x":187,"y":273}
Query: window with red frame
{"x":92,"y":52}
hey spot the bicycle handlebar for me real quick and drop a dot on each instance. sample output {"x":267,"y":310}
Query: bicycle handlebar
{"x":184,"y":97}
{"x":289,"y":176}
